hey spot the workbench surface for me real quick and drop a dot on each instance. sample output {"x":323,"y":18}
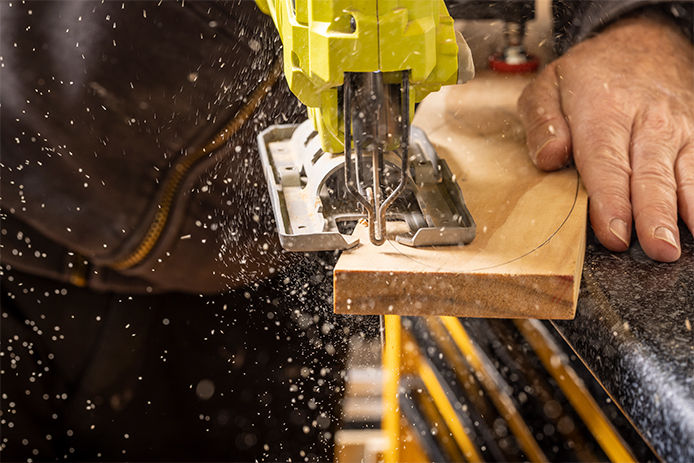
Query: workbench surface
{"x":634,"y":329}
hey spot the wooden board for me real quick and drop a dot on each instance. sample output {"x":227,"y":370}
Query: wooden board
{"x":526,"y":259}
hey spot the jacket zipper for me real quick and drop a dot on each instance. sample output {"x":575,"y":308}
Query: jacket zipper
{"x":173,"y":183}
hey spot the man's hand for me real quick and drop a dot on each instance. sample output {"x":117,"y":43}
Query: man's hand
{"x":623,"y":103}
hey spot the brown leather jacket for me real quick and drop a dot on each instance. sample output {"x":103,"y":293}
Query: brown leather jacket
{"x":128,"y":138}
{"x":114,"y":172}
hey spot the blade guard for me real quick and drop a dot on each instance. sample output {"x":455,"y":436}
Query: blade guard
{"x":309,"y":200}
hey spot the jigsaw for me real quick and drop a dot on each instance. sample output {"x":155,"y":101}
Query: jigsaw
{"x":360,"y":66}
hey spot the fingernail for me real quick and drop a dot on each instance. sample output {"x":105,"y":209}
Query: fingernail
{"x":537,"y":152}
{"x":664,"y":234}
{"x":618,"y":228}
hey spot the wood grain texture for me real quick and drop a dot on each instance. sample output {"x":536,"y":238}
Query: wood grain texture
{"x":526,"y":259}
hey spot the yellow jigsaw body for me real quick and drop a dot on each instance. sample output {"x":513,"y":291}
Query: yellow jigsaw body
{"x":323,"y":39}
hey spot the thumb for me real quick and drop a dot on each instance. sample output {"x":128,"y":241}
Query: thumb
{"x":547,"y":133}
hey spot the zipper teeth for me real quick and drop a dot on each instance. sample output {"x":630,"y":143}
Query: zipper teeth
{"x":173,"y":183}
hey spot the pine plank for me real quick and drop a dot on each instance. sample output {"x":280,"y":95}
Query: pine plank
{"x":527,"y":257}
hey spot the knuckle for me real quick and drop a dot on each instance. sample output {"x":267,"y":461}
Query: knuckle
{"x":607,"y":139}
{"x":608,"y":160}
{"x":655,"y":211}
{"x":654,"y":175}
{"x":607,"y":152}
{"x":602,"y":210}
{"x":607,"y":114}
{"x":657,"y":119}
{"x":609,"y":199}
{"x":610,"y":193}
{"x":612,"y":125}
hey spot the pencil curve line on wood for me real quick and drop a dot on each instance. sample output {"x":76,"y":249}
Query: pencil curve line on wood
{"x":527,"y":259}
{"x":545,"y":242}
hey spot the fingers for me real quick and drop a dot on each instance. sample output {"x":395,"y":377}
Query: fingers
{"x":547,"y":133}
{"x":631,"y":166}
{"x":654,"y":149}
{"x":684,"y":174}
{"x":601,"y":153}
